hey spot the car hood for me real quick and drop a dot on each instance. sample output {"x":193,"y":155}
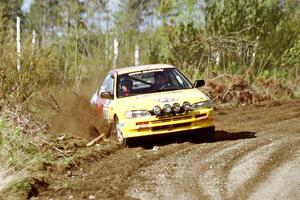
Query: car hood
{"x":148,"y":101}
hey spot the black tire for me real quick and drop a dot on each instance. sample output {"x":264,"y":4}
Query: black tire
{"x":116,"y":133}
{"x":209,"y":134}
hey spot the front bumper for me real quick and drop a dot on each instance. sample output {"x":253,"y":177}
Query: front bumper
{"x":159,"y":125}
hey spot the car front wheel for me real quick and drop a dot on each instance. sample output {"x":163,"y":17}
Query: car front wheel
{"x":116,"y":133}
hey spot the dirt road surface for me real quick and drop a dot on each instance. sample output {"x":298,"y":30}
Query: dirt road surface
{"x":256,"y":155}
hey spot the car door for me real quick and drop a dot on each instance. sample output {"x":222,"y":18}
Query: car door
{"x":100,"y":104}
{"x":109,"y":88}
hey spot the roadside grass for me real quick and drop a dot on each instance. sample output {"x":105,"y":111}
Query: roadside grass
{"x":19,"y":157}
{"x":27,"y":160}
{"x":297,"y":92}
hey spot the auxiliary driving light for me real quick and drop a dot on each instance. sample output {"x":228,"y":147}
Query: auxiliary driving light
{"x":176,"y":107}
{"x":156,"y":110}
{"x":186,"y":106}
{"x":167,"y":108}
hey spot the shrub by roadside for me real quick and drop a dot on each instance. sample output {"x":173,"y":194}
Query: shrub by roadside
{"x":236,"y":89}
{"x":18,"y":158}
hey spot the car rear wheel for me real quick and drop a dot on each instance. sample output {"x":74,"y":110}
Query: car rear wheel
{"x":116,"y":133}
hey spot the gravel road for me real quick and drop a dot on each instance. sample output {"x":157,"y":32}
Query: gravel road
{"x":256,"y":155}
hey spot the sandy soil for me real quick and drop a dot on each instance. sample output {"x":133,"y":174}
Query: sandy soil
{"x":256,"y":155}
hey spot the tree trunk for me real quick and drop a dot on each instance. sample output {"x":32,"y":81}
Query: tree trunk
{"x":18,"y":45}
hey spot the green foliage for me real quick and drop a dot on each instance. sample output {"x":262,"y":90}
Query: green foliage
{"x":38,"y":68}
{"x":244,"y":35}
{"x":291,"y":56}
{"x":186,"y":42}
{"x":23,"y":185}
{"x":159,"y":46}
{"x":15,"y":148}
{"x":164,"y":7}
{"x":19,"y":156}
{"x":12,"y":9}
{"x":183,"y":46}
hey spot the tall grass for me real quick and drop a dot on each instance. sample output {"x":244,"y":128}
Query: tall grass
{"x":18,"y":154}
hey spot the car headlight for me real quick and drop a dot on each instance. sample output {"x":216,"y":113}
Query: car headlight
{"x":202,"y":104}
{"x":137,"y":113}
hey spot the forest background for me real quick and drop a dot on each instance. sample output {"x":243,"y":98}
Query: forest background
{"x":259,"y":40}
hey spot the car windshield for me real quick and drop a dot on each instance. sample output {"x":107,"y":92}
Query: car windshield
{"x":149,"y":81}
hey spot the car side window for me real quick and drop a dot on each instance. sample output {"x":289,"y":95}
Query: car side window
{"x":104,"y":83}
{"x":110,"y":85}
{"x":107,"y":85}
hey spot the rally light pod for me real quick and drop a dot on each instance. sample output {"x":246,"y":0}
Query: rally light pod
{"x":156,"y":110}
{"x":186,"y":106}
{"x":167,"y":108}
{"x":176,"y":107}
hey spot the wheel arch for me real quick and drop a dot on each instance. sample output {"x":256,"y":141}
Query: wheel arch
{"x":115,"y":117}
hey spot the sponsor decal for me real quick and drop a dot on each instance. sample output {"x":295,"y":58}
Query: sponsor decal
{"x":121,"y":125}
{"x":105,"y":109}
{"x":167,"y":99}
{"x":158,"y":94}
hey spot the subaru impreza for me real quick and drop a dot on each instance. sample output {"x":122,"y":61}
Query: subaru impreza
{"x":152,"y":99}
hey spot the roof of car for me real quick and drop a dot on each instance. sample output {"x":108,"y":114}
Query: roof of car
{"x":125,"y":70}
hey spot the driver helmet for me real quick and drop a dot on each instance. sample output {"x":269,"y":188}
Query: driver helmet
{"x":160,"y":78}
{"x":127,"y":81}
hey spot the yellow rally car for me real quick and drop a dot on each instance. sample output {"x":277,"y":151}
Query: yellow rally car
{"x":152,"y":99}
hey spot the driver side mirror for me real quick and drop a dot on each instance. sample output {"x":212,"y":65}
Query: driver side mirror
{"x":106,"y":95}
{"x":199,"y":83}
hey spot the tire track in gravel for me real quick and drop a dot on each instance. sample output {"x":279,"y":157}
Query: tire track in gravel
{"x":161,"y":178}
{"x":280,"y":150}
{"x":287,"y":176}
{"x":223,"y":171}
{"x":278,"y":157}
{"x":216,"y":168}
{"x":212,"y":170}
{"x":246,"y":167}
{"x":158,"y":177}
{"x":219,"y":185}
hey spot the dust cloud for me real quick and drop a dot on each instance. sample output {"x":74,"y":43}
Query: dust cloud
{"x":70,"y":112}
